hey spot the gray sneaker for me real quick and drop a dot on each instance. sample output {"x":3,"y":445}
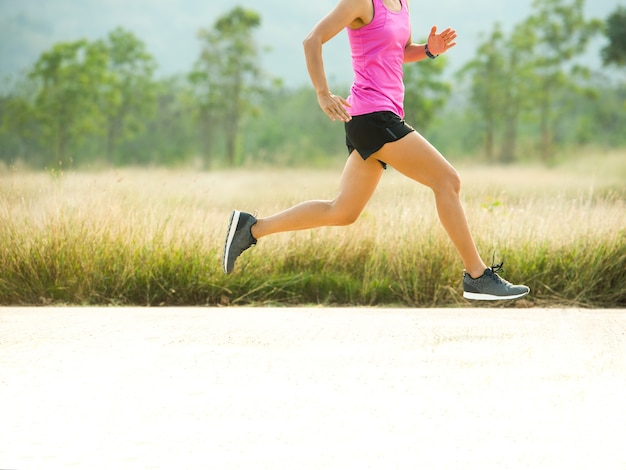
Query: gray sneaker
{"x":238,"y":239}
{"x":490,"y":286}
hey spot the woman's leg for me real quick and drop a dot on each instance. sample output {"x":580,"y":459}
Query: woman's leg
{"x":358,"y":182}
{"x":416,"y":158}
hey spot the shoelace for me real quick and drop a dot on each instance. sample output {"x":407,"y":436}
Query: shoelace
{"x":495,"y":269}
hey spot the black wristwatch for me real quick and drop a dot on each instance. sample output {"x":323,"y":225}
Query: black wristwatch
{"x":428,"y":53}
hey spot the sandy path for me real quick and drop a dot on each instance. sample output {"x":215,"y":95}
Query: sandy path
{"x":317,"y":388}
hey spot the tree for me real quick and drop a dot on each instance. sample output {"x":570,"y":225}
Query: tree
{"x":204,"y":79}
{"x":17,"y":119}
{"x":489,"y":78}
{"x":425,"y":91}
{"x":562,"y":34}
{"x":227,"y":76}
{"x":294,"y":132}
{"x":167,"y":136}
{"x":518,"y":89}
{"x":67,"y":101}
{"x":615,"y":51}
{"x":128,"y":94}
{"x":500,"y":91}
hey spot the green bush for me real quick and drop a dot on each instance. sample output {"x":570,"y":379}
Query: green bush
{"x":153,"y":237}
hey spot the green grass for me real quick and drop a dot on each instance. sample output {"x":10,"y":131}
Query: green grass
{"x":154,"y":237}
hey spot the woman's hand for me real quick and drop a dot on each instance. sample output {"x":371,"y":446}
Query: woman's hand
{"x":334,"y":106}
{"x":440,"y":43}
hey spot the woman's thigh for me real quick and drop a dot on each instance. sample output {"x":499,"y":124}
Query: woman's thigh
{"x":418,"y":159}
{"x":358,"y":182}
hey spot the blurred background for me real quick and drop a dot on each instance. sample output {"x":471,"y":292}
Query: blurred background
{"x":95,"y":83}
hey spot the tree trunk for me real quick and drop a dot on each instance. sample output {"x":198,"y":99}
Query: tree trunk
{"x":508,"y":151}
{"x":231,"y":143}
{"x":546,"y":143}
{"x":207,"y":132}
{"x":546,"y":138}
{"x":110,"y":143}
{"x":489,"y":141}
{"x":62,"y":139}
{"x":232,"y":126}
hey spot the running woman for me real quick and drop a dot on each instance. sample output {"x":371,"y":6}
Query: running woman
{"x":379,"y":32}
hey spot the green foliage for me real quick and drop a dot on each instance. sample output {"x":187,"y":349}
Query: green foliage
{"x":128,"y":92}
{"x":562,"y":34}
{"x":89,"y":89}
{"x":227,"y":78}
{"x":525,"y":95}
{"x":292,"y":130}
{"x":502,"y":90}
{"x":615,"y":51}
{"x":532,"y":76}
{"x":490,"y":87}
{"x":18,"y":126}
{"x":425,"y":91}
{"x":66,"y":103}
{"x":170,"y":133}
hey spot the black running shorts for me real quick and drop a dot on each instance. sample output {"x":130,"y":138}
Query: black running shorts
{"x":368,"y":133}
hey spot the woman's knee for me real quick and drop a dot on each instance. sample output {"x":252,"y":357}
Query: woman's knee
{"x":455,"y":181}
{"x":342,"y":215}
{"x":450,"y":182}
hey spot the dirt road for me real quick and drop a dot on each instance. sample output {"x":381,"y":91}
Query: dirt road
{"x":312,"y":388}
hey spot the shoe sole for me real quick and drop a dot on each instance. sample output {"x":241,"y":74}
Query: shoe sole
{"x":232,"y":228}
{"x":476,"y":296}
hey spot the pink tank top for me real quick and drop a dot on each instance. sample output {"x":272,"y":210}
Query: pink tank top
{"x":377,"y":58}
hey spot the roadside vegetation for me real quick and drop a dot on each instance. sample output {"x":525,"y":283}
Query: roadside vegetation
{"x":154,"y":237}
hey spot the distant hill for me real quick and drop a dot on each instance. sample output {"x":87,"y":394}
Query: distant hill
{"x":169,"y":28}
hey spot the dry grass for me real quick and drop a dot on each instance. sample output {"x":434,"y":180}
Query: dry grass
{"x":154,"y":237}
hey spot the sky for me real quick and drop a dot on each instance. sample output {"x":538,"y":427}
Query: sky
{"x":169,"y":28}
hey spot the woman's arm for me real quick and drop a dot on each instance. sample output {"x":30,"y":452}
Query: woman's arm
{"x":437,"y":44}
{"x":353,"y":13}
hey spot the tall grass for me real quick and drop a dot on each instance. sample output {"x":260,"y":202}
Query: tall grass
{"x":154,"y":237}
